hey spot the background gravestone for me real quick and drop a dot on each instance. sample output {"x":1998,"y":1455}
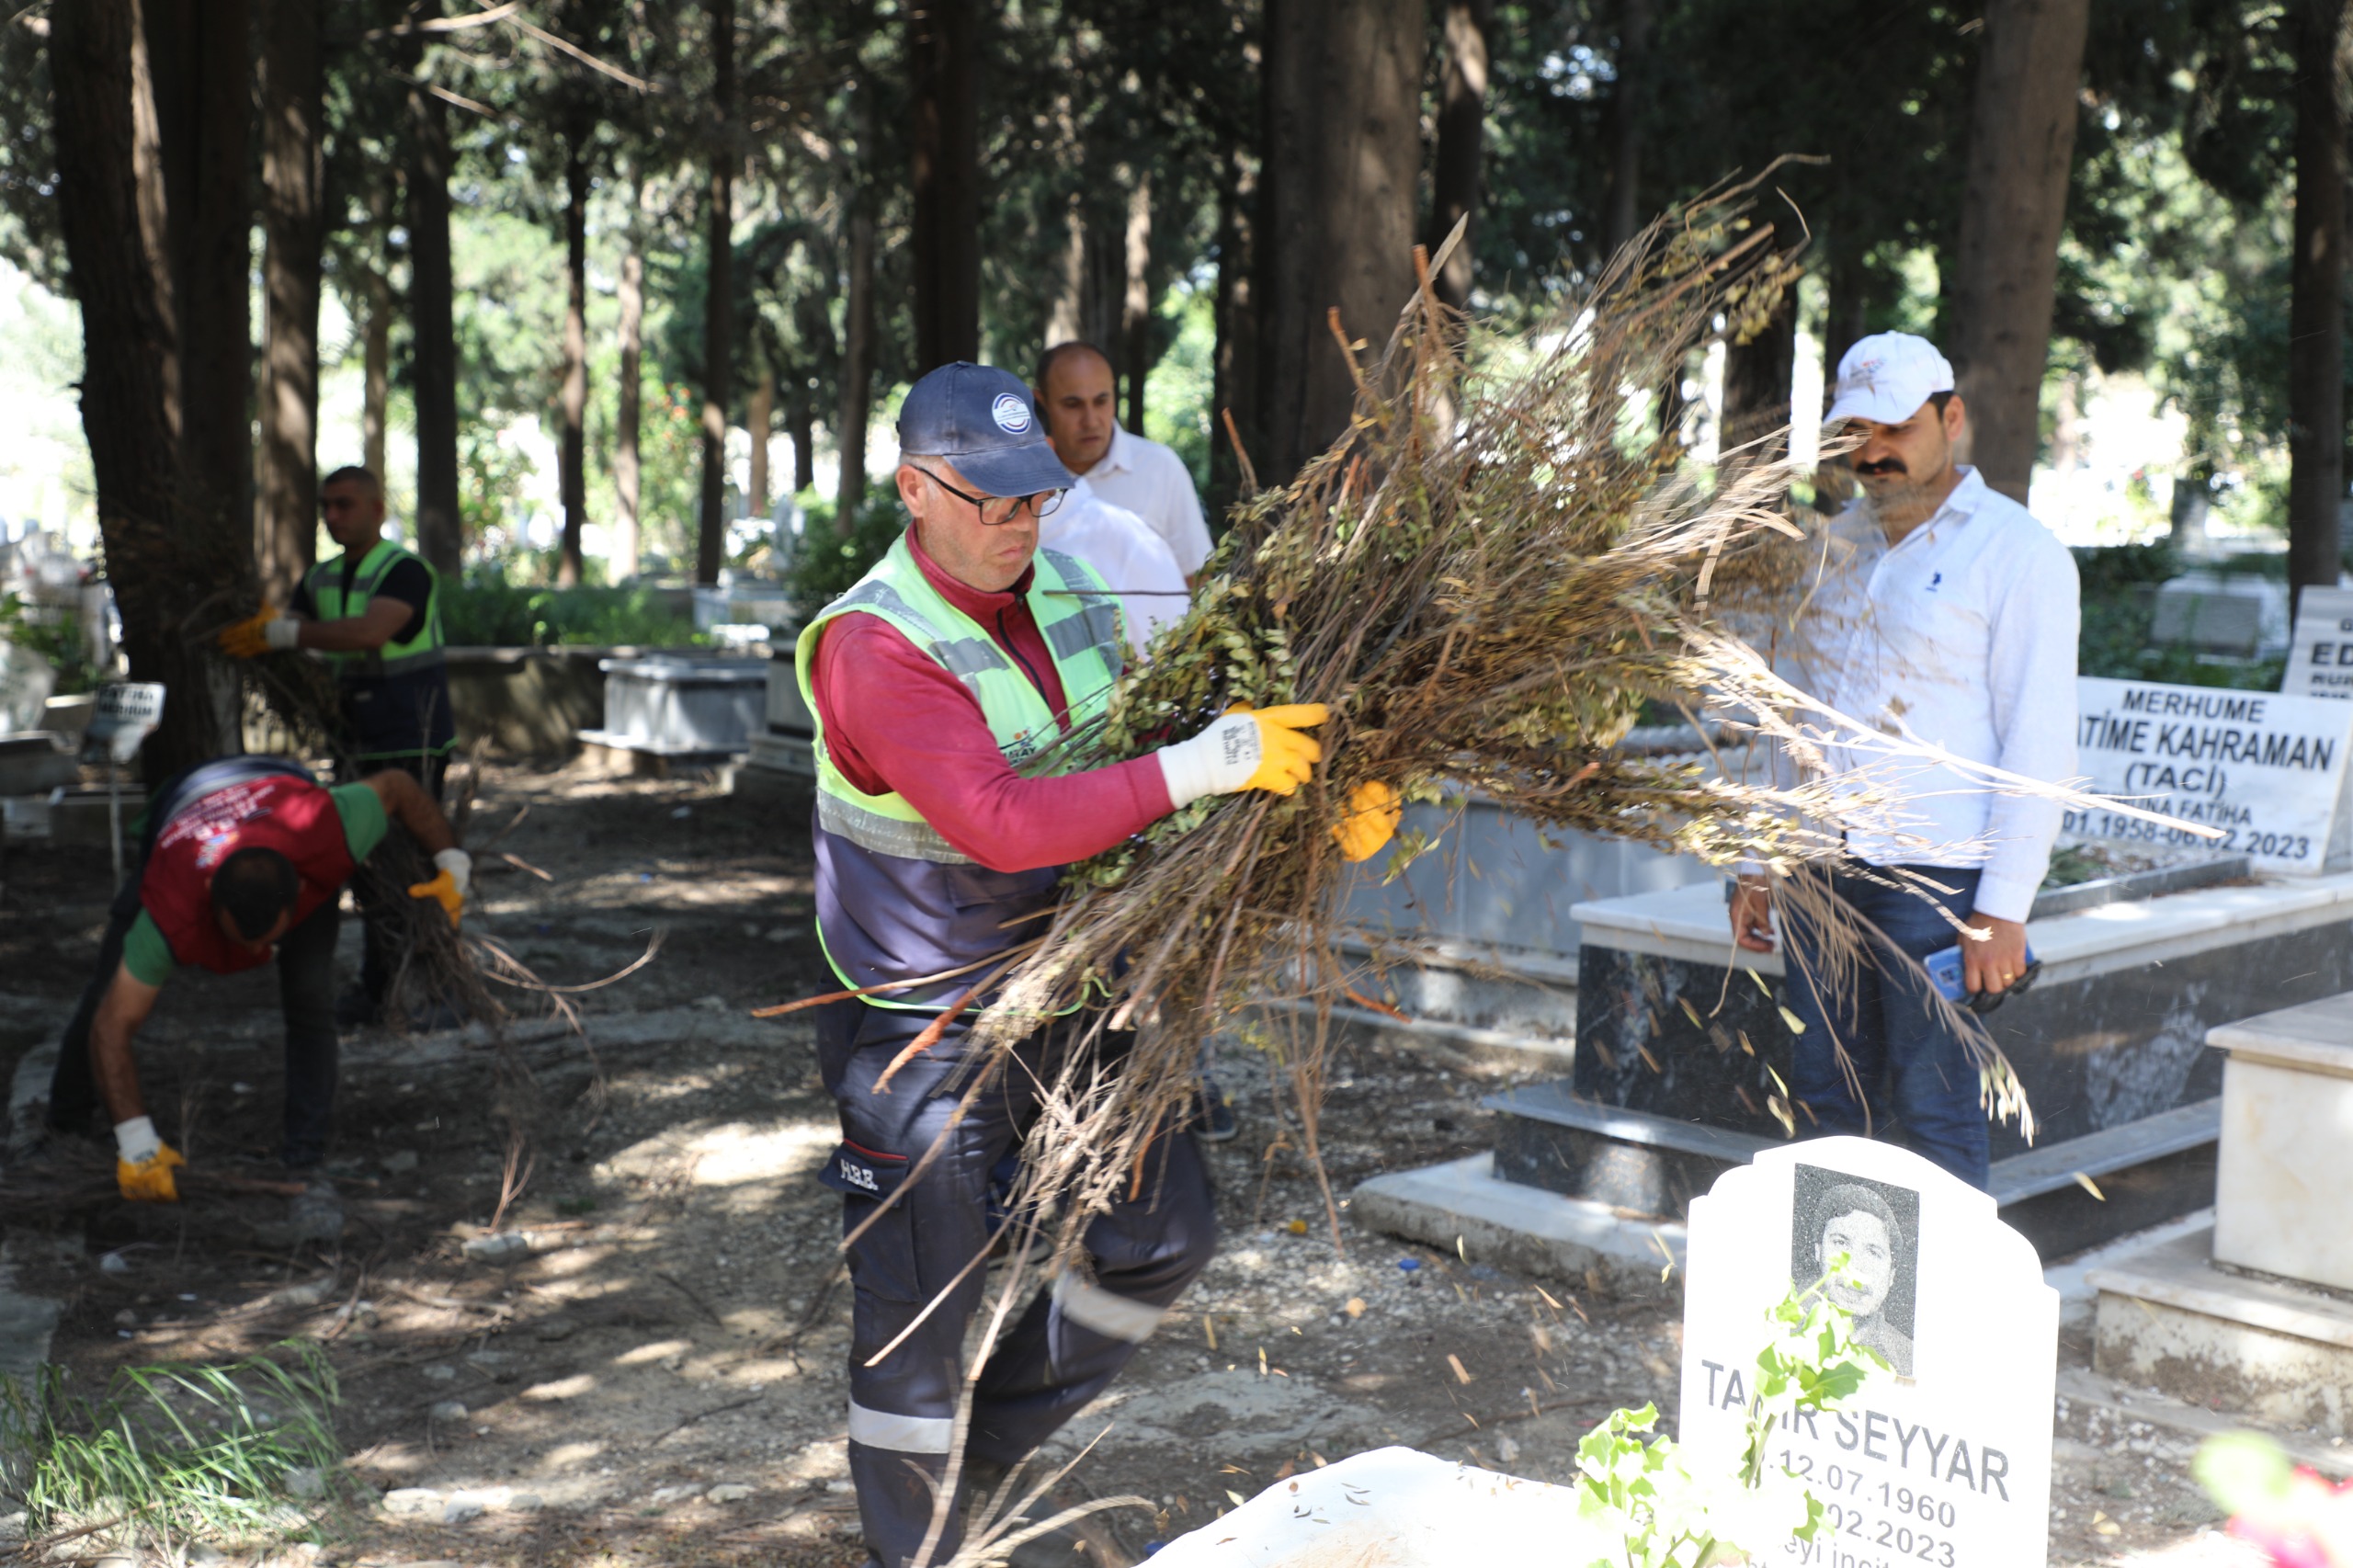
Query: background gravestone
{"x":1945,"y":1461}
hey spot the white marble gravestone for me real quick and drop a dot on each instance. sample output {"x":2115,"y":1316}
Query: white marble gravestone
{"x":1945,"y":1461}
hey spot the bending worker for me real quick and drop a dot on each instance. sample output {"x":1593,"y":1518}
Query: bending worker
{"x":964,"y":650}
{"x":374,"y":614}
{"x":242,"y":858}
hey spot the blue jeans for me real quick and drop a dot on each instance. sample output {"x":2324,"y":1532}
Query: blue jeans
{"x":1915,"y":1072}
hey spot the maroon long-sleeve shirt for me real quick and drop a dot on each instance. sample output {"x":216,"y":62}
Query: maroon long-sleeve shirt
{"x":896,"y":722}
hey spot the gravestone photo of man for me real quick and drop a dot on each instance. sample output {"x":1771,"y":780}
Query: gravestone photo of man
{"x":1875,"y":1227}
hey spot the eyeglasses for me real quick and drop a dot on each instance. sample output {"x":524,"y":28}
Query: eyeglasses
{"x":998,"y":510}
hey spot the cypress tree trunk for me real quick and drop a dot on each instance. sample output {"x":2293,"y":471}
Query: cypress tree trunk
{"x":761,"y":420}
{"x":2316,"y":308}
{"x":1343,"y":155}
{"x":625,"y":421}
{"x":572,"y":457}
{"x":1234,"y":386}
{"x":719,"y":301}
{"x":293,"y":220}
{"x":1455,"y":176}
{"x":857,"y":323}
{"x":178,"y":566}
{"x":2014,"y":202}
{"x":376,"y":377}
{"x":944,"y":242}
{"x":433,"y":349}
{"x":1629,"y":106}
{"x":1135,"y":305}
{"x":1758,"y":379}
{"x":801,"y":427}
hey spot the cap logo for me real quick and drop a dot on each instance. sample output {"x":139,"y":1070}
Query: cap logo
{"x":1011,"y":413}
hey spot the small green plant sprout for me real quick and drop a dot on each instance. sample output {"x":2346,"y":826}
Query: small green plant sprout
{"x":1644,"y":1507}
{"x":237,"y":1453}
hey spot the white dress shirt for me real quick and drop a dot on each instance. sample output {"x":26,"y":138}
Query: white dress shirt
{"x":1129,"y":557}
{"x":1154,"y":482}
{"x":1963,"y":635}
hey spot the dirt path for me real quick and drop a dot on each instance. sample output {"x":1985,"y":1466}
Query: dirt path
{"x":656,"y":1374}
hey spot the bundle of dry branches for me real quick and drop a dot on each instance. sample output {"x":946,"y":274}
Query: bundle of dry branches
{"x":1485,"y":579}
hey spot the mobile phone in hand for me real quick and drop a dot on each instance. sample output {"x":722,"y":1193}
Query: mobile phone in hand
{"x":1945,"y":970}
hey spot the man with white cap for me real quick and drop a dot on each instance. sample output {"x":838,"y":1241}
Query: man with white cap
{"x":1946,"y":615}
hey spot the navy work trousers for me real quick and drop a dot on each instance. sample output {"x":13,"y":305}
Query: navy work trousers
{"x":1074,"y":1335}
{"x":1917,"y":1077}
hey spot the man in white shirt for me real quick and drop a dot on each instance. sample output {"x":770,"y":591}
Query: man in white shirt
{"x":1131,"y":560}
{"x":1946,"y":614}
{"x":1075,"y":389}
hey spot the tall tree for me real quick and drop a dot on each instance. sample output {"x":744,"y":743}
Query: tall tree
{"x":572,"y":457}
{"x":294,"y":225}
{"x":433,"y":341}
{"x":1455,"y":175}
{"x":2316,"y":303}
{"x":719,"y":297}
{"x":759,"y":421}
{"x":858,"y":309}
{"x":151,"y":133}
{"x":943,"y":242}
{"x":1338,"y":192}
{"x":1758,"y":378}
{"x":631,"y":403}
{"x":1135,"y":299}
{"x":1233,"y":387}
{"x":2014,"y":202}
{"x":1629,"y":112}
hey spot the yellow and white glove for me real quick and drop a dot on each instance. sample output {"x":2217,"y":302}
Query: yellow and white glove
{"x":1245,"y":750}
{"x":266,"y":631}
{"x":144,"y":1163}
{"x":1374,"y":809}
{"x":448,"y":889}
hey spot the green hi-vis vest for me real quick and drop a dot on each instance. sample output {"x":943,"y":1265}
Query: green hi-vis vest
{"x":422,"y":651}
{"x":896,"y":900}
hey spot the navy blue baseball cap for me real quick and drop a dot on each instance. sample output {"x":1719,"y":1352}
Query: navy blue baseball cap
{"x":980,"y":419}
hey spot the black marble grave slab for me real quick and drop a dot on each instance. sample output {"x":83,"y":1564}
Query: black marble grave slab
{"x":2064,"y":1196}
{"x":1700,"y":1042}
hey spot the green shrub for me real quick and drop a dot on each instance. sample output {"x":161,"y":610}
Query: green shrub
{"x":495,"y":614}
{"x":829,"y":563}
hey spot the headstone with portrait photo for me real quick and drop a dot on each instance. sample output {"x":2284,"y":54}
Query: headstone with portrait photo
{"x":1943,"y":1456}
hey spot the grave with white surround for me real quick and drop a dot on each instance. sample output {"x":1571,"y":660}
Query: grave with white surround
{"x":1944,"y":1457}
{"x":1941,"y":1456}
{"x":1682,"y":1042}
{"x":2253,"y":1313}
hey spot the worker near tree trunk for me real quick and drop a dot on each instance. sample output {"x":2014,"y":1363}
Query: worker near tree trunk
{"x":373,"y":613}
{"x":966,"y":650}
{"x":1947,"y":613}
{"x":240,"y":860}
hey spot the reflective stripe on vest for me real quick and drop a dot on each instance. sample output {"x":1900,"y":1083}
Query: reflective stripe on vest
{"x":421,"y":652}
{"x":926,"y":896}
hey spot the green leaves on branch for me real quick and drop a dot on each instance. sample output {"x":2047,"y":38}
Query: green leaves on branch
{"x":1646,"y":1508}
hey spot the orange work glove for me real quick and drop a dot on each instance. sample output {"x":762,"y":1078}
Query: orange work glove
{"x":150,"y":1180}
{"x":449,"y":888}
{"x":263,"y":631}
{"x":1374,"y":809}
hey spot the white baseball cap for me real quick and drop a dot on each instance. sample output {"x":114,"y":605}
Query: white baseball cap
{"x":1886,"y":377}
